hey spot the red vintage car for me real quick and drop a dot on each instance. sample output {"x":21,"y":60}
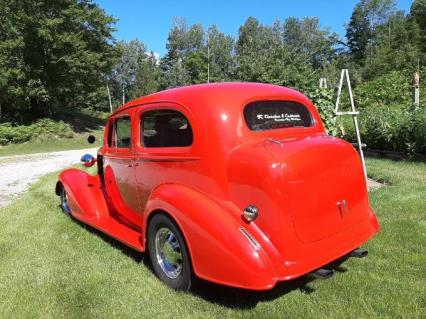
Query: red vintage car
{"x":235,"y":183}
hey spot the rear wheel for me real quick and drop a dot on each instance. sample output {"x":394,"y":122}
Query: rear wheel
{"x":169,"y":253}
{"x":65,"y":206}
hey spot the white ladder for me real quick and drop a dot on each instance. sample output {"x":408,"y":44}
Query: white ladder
{"x":354,"y":113}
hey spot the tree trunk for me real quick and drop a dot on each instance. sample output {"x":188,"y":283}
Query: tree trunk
{"x":124,"y":100}
{"x":109,"y":98}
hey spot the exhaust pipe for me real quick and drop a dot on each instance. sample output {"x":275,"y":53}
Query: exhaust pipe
{"x":323,"y":273}
{"x":359,"y":253}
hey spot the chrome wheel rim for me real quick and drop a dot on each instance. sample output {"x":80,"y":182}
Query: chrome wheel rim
{"x":64,"y":202}
{"x":168,"y":252}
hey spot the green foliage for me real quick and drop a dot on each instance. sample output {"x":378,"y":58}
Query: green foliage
{"x":392,"y":128}
{"x":147,"y":79}
{"x":323,"y":100}
{"x":43,"y":128}
{"x":57,"y":55}
{"x":417,"y":142}
{"x":53,"y":54}
{"x":418,"y":16}
{"x":125,"y":71}
{"x":366,"y":17}
{"x":396,"y":47}
{"x":306,"y":37}
{"x":393,"y":88}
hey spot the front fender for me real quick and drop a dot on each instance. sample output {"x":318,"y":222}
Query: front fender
{"x":219,"y":250}
{"x":85,"y":194}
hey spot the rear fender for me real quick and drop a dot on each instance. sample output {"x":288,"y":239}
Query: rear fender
{"x":219,"y":250}
{"x":85,"y":194}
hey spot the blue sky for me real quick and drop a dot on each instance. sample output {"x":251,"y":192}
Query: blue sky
{"x":151,"y":21}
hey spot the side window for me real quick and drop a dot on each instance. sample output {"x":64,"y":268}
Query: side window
{"x":165,"y":128}
{"x":120,"y":133}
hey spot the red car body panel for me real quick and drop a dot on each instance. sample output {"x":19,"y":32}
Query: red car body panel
{"x":295,"y":176}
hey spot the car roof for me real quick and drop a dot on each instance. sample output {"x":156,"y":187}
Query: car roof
{"x":208,"y":95}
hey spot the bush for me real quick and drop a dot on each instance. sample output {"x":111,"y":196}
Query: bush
{"x":393,"y":88}
{"x":391,"y":128}
{"x":12,"y":134}
{"x":419,"y":130}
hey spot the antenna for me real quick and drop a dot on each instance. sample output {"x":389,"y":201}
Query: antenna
{"x":208,"y":56}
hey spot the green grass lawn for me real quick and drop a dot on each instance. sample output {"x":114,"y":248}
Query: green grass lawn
{"x":51,"y":144}
{"x":54,"y":267}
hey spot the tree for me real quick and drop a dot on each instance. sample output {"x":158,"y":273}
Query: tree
{"x":183,"y":62}
{"x":418,"y":17}
{"x":147,"y":77}
{"x":289,"y":54}
{"x":418,"y":13}
{"x":254,"y":46}
{"x":190,"y":50}
{"x":396,"y":47}
{"x":306,"y":37}
{"x":123,"y":74}
{"x":52,"y":55}
{"x":221,"y":57}
{"x":175,"y":75}
{"x":366,"y":17}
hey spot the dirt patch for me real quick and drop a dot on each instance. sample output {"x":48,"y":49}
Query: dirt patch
{"x":373,"y":184}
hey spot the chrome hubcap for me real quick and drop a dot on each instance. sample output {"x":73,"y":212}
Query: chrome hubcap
{"x":168,"y":253}
{"x":64,"y":202}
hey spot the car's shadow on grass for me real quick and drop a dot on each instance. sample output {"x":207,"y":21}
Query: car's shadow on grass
{"x":219,"y":294}
{"x":246,"y":299}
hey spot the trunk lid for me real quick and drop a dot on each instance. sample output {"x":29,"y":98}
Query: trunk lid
{"x":324,"y":180}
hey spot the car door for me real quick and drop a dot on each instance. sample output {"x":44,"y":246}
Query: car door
{"x":120,"y":182}
{"x":163,"y":149}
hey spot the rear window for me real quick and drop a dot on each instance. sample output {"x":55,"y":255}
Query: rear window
{"x":267,"y":115}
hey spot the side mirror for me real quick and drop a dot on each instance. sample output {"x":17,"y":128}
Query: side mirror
{"x":88,"y":160}
{"x":91,"y":139}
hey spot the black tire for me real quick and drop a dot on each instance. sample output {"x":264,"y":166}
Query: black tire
{"x":177,"y":273}
{"x":65,"y":206}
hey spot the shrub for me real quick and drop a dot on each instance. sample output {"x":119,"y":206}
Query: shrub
{"x":393,"y":88}
{"x":391,"y":128}
{"x":13,"y":134}
{"x":419,"y":130}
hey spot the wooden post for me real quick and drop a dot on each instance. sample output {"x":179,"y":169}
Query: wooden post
{"x":416,"y":90}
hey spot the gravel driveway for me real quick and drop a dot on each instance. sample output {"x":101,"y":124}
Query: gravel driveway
{"x":17,"y":173}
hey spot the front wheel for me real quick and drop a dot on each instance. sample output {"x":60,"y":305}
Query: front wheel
{"x":65,"y":206}
{"x":169,"y":253}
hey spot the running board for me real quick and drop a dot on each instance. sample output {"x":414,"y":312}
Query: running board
{"x":115,"y":229}
{"x":359,"y":253}
{"x":323,"y":273}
